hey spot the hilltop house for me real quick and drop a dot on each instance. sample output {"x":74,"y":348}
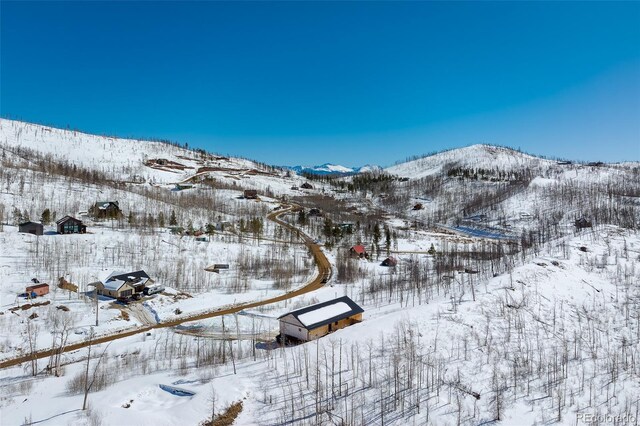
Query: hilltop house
{"x":70,"y":225}
{"x":315,"y":321}
{"x":105,"y":210}
{"x":122,"y":285}
{"x":31,"y":228}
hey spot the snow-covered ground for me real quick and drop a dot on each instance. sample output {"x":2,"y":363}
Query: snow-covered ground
{"x":540,"y":341}
{"x":479,"y":331}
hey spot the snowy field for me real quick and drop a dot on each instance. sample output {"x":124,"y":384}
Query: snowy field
{"x":556,"y":336}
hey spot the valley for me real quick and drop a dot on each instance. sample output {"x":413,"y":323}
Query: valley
{"x":497,"y":286}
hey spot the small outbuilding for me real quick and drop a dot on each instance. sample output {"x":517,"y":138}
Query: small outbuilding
{"x":31,"y":228}
{"x":390,"y":261}
{"x":315,"y":321}
{"x":70,"y":225}
{"x":306,"y":185}
{"x":359,"y":251}
{"x":37,"y":290}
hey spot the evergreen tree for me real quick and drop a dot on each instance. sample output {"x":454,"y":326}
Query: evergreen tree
{"x":302,"y":217}
{"x":376,"y":238}
{"x":45,"y":218}
{"x":172,"y":220}
{"x":387,"y":237}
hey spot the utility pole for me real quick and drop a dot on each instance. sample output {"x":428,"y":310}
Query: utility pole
{"x":95,"y":297}
{"x":95,"y":293}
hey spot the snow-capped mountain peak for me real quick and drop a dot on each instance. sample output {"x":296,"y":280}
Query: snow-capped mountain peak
{"x":330,"y":168}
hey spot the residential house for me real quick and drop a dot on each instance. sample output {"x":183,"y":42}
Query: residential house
{"x":70,"y":225}
{"x":250,"y":194}
{"x":122,"y":285}
{"x":582,"y":223}
{"x":315,"y":321}
{"x":105,"y":210}
{"x":359,"y":251}
{"x":390,"y":261}
{"x":182,"y":186}
{"x":306,"y":185}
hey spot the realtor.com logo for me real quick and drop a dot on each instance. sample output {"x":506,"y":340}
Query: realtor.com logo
{"x":624,"y":419}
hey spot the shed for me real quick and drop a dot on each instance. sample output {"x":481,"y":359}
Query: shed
{"x":390,"y":261}
{"x":250,"y":194}
{"x":315,"y":321}
{"x":306,"y":185}
{"x":70,"y":225}
{"x":37,"y":290}
{"x":31,"y":228}
{"x":359,"y":251}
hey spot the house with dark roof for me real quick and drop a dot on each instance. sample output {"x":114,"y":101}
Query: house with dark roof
{"x":390,"y":262}
{"x":31,"y":228}
{"x":70,"y":225}
{"x":250,"y":194}
{"x":122,"y":285}
{"x":582,"y":223}
{"x":315,"y":321}
{"x":105,"y":210}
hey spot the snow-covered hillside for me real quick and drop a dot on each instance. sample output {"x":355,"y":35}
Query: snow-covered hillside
{"x":137,"y":161}
{"x":493,"y":304}
{"x":472,"y":157}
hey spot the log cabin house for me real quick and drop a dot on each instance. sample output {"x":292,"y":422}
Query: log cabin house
{"x":315,"y":321}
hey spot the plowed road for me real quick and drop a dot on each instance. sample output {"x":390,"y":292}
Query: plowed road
{"x":324,"y":272}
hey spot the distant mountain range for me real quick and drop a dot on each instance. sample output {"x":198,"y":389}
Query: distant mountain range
{"x":333,"y":169}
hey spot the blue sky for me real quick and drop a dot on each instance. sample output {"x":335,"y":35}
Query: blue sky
{"x":343,"y":82}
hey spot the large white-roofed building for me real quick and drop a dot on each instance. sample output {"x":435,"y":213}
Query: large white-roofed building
{"x":312,"y":322}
